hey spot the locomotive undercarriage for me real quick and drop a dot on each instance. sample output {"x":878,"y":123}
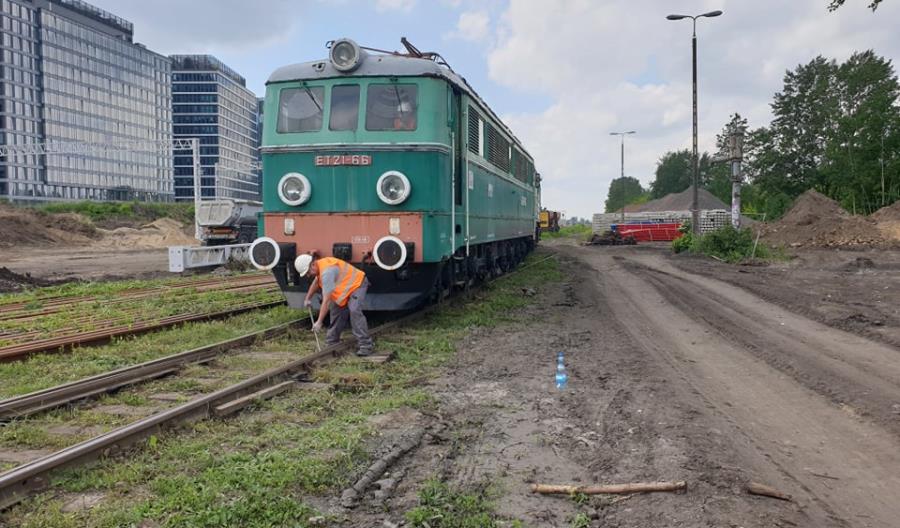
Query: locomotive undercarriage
{"x":415,"y":284}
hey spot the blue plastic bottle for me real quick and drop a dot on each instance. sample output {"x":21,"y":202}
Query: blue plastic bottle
{"x":562,"y":378}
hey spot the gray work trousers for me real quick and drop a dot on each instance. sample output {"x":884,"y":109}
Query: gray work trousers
{"x":351,"y":314}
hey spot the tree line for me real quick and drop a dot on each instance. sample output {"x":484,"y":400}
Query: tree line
{"x":835,"y":128}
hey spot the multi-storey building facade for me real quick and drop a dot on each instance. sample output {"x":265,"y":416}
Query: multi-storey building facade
{"x":70,"y":73}
{"x":211,"y":102}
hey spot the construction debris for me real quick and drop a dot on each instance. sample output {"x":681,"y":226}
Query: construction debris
{"x":351,"y":494}
{"x":611,"y":238}
{"x":634,"y":487}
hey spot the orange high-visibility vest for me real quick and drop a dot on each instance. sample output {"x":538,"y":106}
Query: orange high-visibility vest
{"x":349,"y":279}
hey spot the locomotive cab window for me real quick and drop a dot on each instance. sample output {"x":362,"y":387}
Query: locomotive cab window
{"x":344,"y":107}
{"x":392,"y":107}
{"x":300,"y":109}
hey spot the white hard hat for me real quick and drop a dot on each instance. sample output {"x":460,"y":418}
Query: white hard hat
{"x":301,"y":264}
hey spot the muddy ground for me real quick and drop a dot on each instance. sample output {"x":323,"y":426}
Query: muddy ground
{"x":673,"y":376}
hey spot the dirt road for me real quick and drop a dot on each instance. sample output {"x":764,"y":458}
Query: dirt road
{"x":82,"y":263}
{"x":673,"y":376}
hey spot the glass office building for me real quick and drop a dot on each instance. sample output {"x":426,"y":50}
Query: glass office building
{"x":211,"y":102}
{"x":70,"y":73}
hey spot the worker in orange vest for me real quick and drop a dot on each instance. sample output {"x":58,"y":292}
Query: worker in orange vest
{"x":343,"y":292}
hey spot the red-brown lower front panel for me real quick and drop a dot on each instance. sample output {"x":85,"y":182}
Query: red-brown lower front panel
{"x":320,"y":231}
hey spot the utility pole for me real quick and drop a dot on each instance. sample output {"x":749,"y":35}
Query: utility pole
{"x":736,"y":156}
{"x":695,"y":206}
{"x":622,"y":174}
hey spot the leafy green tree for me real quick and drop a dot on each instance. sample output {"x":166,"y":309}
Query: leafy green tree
{"x":623,"y":191}
{"x":806,"y":112}
{"x":673,"y":174}
{"x":836,"y":129}
{"x":865,"y":139}
{"x":764,"y":168}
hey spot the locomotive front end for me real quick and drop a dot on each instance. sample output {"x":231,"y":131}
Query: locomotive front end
{"x":355,"y":161}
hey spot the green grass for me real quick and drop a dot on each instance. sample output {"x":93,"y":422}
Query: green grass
{"x":260,"y":469}
{"x":103,"y":212}
{"x":45,"y":370}
{"x":579,"y":231}
{"x":443,"y":506}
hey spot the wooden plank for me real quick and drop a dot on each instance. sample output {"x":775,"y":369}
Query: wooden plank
{"x":235,"y":405}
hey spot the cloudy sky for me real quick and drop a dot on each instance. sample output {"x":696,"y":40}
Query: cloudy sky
{"x":562,"y":73}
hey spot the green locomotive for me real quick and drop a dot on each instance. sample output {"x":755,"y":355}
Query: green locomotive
{"x":392,"y":162}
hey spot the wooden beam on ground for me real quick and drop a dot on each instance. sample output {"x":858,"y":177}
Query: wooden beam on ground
{"x":634,"y":487}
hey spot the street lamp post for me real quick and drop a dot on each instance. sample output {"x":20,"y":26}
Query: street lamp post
{"x":622,"y":135}
{"x":695,"y":207}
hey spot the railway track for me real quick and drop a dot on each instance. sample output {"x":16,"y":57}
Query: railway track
{"x":18,"y":482}
{"x":25,"y":331}
{"x":53,"y":397}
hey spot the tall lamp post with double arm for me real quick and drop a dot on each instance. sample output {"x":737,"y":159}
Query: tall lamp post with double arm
{"x":695,"y":207}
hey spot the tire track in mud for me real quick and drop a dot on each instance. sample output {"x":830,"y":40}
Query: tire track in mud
{"x":650,"y":405}
{"x":781,"y":429}
{"x":863,"y":389}
{"x":741,"y":467}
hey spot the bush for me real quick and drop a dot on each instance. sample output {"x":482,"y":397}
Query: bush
{"x":683,"y":243}
{"x":727,"y":243}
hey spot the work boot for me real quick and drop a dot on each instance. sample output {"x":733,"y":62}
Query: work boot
{"x":363,"y":353}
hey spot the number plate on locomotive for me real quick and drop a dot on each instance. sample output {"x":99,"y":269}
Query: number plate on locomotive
{"x":346,"y":159}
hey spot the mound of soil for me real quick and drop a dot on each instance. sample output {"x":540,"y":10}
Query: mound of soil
{"x":888,"y":220}
{"x":23,"y":226}
{"x":818,"y":221}
{"x":160,"y":233}
{"x":888,"y":213}
{"x":11,"y":281}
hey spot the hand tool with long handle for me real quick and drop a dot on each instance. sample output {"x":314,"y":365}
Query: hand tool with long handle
{"x":315,"y":333}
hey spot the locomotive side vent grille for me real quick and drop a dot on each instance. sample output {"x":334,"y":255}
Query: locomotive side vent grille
{"x":498,"y":148}
{"x":474,"y":132}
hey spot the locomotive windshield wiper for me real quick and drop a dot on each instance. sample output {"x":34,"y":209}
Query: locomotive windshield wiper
{"x":311,"y":96}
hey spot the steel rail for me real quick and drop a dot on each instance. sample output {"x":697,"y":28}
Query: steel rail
{"x":65,"y":342}
{"x":51,"y":397}
{"x":18,"y":482}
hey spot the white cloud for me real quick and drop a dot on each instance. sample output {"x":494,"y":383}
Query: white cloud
{"x":205,"y":26}
{"x":395,"y":5}
{"x":473,"y":26}
{"x":609,"y":65}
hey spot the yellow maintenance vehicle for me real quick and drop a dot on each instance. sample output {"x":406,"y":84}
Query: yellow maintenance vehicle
{"x":549,"y":220}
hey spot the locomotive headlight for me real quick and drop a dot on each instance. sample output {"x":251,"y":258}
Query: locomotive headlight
{"x":345,"y":55}
{"x":393,"y":187}
{"x":294,"y":189}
